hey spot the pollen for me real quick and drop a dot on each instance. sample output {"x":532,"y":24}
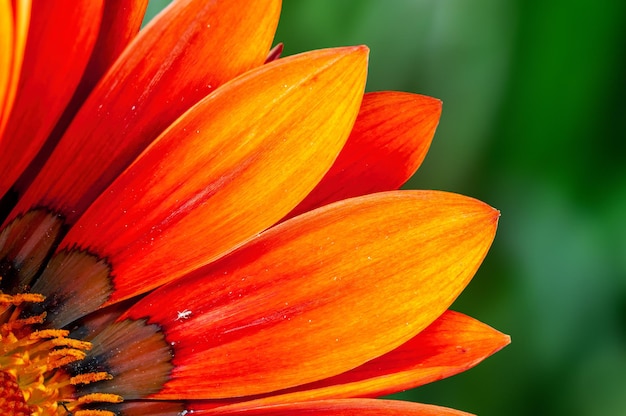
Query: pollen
{"x":33,"y":378}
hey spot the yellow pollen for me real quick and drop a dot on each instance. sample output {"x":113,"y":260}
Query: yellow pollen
{"x":93,"y":413}
{"x":49,"y":333}
{"x":59,"y":358}
{"x":100,"y":397}
{"x":21,"y":298}
{"x":90,"y":378}
{"x":73,"y":343}
{"x":33,"y":378}
{"x":21,"y":323}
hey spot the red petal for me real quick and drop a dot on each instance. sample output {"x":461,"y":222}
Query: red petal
{"x":347,"y":407}
{"x":121,"y":20}
{"x":149,"y":408}
{"x":229,"y":168}
{"x":302,"y":302}
{"x":180,"y":57}
{"x":389,"y":141}
{"x":450,"y":345}
{"x":60,"y":39}
{"x":275,"y":53}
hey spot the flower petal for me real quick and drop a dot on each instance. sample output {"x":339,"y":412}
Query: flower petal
{"x":135,"y":354}
{"x":389,"y":141}
{"x":229,"y":168}
{"x":301,"y":302}
{"x":24,"y":245}
{"x":121,"y":20}
{"x":448,"y":346}
{"x":180,"y":57}
{"x":7,"y":34}
{"x":347,"y":407}
{"x":14,"y":21}
{"x":144,"y":408}
{"x":61,"y":37}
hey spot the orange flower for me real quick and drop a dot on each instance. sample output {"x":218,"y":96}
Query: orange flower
{"x":188,"y":229}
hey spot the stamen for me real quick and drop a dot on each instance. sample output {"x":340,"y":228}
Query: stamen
{"x":93,"y":413}
{"x":33,"y":378}
{"x":73,"y":343}
{"x":90,"y":378}
{"x":21,"y":323}
{"x":49,"y":333}
{"x":100,"y":397}
{"x":21,"y":298}
{"x":66,"y":356}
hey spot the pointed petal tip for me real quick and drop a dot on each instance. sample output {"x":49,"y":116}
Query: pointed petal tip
{"x":475,"y":206}
{"x":491,"y":213}
{"x":498,"y":340}
{"x":506,"y":340}
{"x":437,"y":105}
{"x":495,"y":215}
{"x":360,"y":48}
{"x":360,"y":51}
{"x":434,"y":103}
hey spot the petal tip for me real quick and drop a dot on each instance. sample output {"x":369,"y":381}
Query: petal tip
{"x":358,"y":50}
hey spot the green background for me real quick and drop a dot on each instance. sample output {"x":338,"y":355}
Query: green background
{"x":534,"y":123}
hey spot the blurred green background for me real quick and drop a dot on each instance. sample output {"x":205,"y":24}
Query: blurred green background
{"x":534,"y":123}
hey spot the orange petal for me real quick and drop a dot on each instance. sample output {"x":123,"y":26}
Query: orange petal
{"x":14,"y":21}
{"x":7,"y":33}
{"x":448,"y":346}
{"x":347,"y":407}
{"x":60,"y":39}
{"x":319,"y":294}
{"x":389,"y":141}
{"x":179,"y":58}
{"x":229,"y":168}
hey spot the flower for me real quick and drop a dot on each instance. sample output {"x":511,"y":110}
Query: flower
{"x":187,"y":228}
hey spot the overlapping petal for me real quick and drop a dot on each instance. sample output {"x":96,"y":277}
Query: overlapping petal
{"x":451,"y":344}
{"x":14,"y":22}
{"x":121,"y":20}
{"x":180,"y":57}
{"x":347,"y":407}
{"x":61,"y":37}
{"x":299,"y":303}
{"x":388,"y":143}
{"x":7,"y":33}
{"x":339,"y":407}
{"x":202,"y":218}
{"x":229,"y":168}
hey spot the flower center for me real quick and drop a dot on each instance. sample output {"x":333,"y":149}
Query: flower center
{"x":33,"y":380}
